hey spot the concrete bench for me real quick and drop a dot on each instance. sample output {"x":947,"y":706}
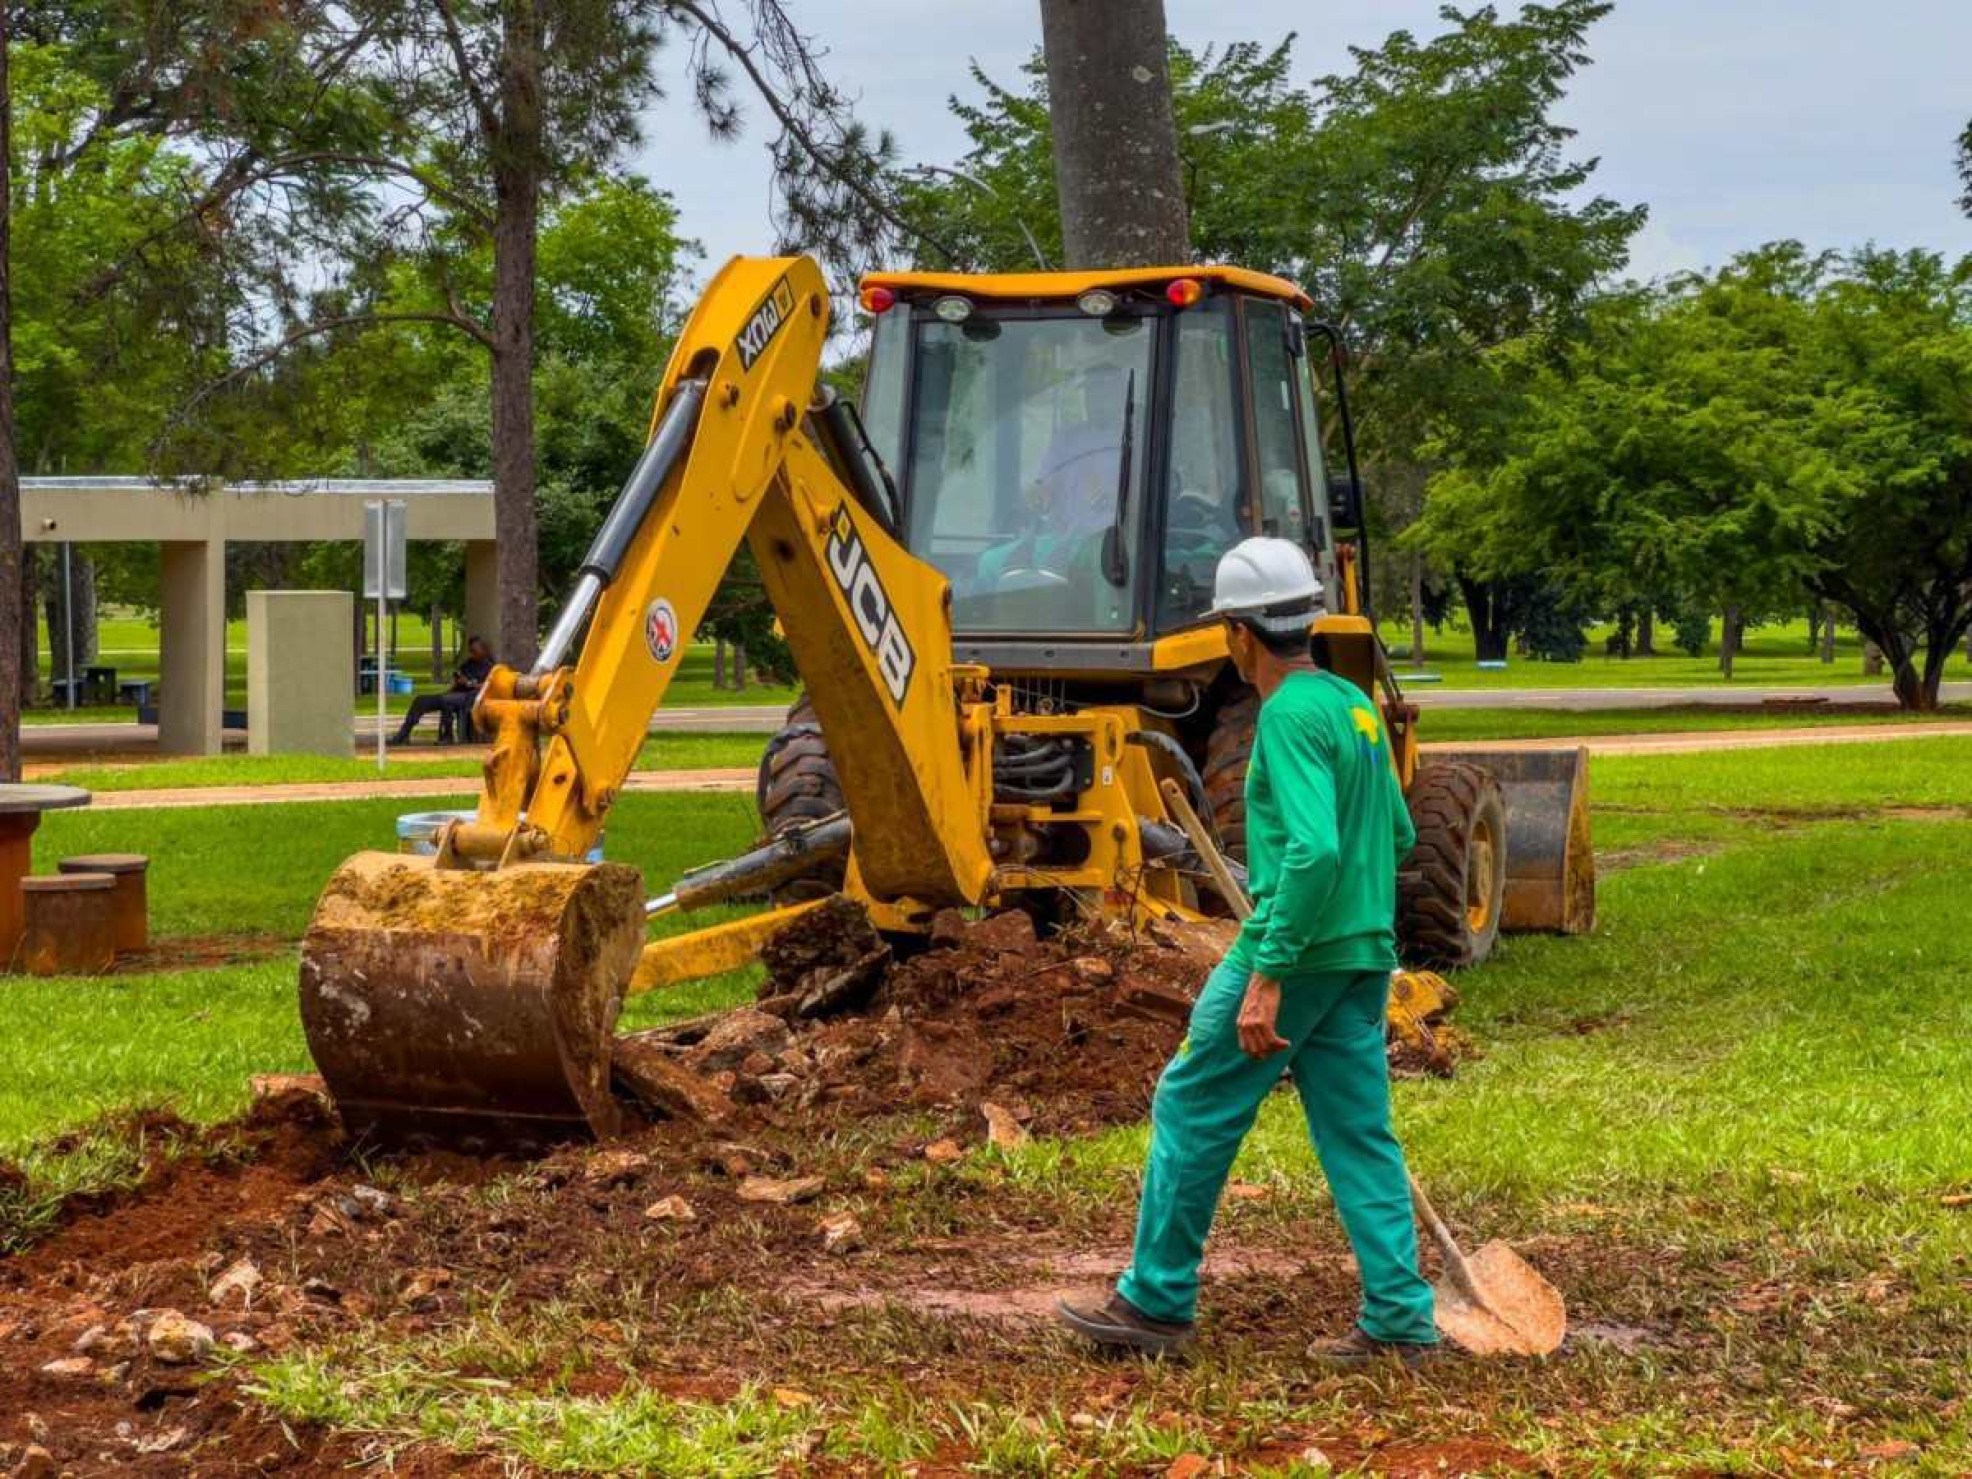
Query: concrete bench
{"x":70,"y":924}
{"x":130,"y":901}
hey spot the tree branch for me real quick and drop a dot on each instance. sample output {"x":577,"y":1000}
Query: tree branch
{"x":315,"y":330}
{"x":489,"y":117}
{"x":709,"y":22}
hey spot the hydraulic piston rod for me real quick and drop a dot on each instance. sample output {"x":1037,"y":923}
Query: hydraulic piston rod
{"x":626,"y":517}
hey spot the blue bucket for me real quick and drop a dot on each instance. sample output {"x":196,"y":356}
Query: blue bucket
{"x":417,"y":832}
{"x":400,"y":683}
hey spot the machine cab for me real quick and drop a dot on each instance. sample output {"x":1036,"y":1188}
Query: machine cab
{"x":1074,"y":451}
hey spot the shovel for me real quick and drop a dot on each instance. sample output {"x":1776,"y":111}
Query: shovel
{"x":1493,"y":1303}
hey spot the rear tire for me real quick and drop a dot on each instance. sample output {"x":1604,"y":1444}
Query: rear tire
{"x":1228,"y":750}
{"x":798,"y":784}
{"x":1451,"y":889}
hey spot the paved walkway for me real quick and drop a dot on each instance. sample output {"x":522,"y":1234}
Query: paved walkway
{"x":463,"y":788}
{"x":742,"y":779}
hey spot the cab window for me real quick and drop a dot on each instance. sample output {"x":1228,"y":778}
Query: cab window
{"x":1203,"y":512}
{"x":1272,"y":374}
{"x":1026,"y":446}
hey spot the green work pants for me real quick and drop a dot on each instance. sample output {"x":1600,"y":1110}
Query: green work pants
{"x":1206,"y":1101}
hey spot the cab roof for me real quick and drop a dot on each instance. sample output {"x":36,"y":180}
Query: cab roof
{"x":1027,"y":286}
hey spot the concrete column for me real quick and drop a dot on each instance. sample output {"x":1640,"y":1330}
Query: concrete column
{"x":294,"y":649}
{"x":192,"y":646}
{"x":483,"y":594}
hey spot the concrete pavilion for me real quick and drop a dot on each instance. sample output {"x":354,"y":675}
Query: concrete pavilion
{"x":191,"y":526}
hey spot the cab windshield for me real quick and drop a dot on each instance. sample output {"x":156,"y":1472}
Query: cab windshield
{"x":1027,"y":433}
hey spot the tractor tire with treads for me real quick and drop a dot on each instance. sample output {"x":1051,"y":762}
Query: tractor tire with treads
{"x":1227,"y":751}
{"x":1452,"y":887}
{"x":798,"y":784}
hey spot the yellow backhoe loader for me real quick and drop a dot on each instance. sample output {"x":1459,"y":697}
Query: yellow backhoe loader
{"x":995,"y":583}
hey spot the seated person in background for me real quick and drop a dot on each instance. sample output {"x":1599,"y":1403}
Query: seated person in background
{"x":454,"y":706}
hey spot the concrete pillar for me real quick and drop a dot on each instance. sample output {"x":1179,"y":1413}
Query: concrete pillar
{"x":483,"y":594}
{"x":295,"y":640}
{"x":192,"y":646}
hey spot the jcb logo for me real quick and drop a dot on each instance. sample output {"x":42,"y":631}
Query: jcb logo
{"x":850,"y":564}
{"x":767,"y":319}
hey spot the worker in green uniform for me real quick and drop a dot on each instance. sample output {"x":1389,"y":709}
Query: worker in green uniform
{"x":1303,"y":989}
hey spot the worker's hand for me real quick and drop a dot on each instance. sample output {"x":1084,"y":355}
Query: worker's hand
{"x":1257,"y":1015}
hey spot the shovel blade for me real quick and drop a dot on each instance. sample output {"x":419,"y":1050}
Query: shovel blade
{"x":1519,"y":1313}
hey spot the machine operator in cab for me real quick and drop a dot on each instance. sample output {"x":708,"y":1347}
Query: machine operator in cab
{"x":1302,"y":990}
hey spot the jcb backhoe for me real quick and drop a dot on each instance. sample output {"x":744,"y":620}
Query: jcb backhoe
{"x":994,"y":582}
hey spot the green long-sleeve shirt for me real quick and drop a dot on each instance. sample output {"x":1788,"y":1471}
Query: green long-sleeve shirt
{"x":1326,"y":827}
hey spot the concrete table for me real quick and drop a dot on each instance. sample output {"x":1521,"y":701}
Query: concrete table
{"x":20,"y":814}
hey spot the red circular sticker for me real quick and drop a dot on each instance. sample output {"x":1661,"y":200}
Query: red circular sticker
{"x":661,"y":630}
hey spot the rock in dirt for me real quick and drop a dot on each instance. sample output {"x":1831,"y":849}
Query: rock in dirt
{"x":614,"y":1167}
{"x":239,"y":1281}
{"x":421,"y":1288}
{"x":671,"y":1209}
{"x":177,"y":1340}
{"x":841,"y":1233}
{"x":663,"y":1086}
{"x":735,"y":1037}
{"x":69,"y":1368}
{"x":1011,"y":931}
{"x":944,"y":1152}
{"x":91,"y":1340}
{"x":288,"y":1085}
{"x":778,"y":1192}
{"x":35,"y":1462}
{"x":1003,"y":1127}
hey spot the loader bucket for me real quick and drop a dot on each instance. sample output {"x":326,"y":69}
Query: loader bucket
{"x":1550,"y":861}
{"x":469,"y":1007}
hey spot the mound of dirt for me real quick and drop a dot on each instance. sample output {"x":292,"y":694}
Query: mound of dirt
{"x":1066,"y":1034}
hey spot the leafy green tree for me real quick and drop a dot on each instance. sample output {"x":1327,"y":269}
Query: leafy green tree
{"x":1425,"y":197}
{"x":1793,"y":423}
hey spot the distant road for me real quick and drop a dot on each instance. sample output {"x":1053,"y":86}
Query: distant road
{"x":1431,"y":696}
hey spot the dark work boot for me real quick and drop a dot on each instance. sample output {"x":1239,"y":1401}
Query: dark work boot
{"x":1360,"y":1348}
{"x":1116,"y":1324}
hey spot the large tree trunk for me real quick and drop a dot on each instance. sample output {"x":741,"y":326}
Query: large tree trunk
{"x":517,"y":210}
{"x":1417,"y":610}
{"x":1732,"y":632}
{"x":30,"y":626}
{"x":88,"y":644}
{"x":1646,"y":632}
{"x":10,"y":467}
{"x":1117,"y":172}
{"x":1827,"y":633}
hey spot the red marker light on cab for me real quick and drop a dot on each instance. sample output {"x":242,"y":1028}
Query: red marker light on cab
{"x":1184,"y":292}
{"x":877,"y":299}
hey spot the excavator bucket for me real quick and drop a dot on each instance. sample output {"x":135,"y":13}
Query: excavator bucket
{"x":466,"y":1006}
{"x":1550,"y":878}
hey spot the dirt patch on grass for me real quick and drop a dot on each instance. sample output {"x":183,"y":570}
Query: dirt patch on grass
{"x":854,"y":1224}
{"x":201,"y":952}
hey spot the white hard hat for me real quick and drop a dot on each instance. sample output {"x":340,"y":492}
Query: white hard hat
{"x":1269,"y":582}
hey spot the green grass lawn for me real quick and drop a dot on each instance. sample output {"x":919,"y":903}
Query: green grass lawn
{"x":680,"y":751}
{"x":130,"y":645}
{"x":1726,"y":1118}
{"x":1452,"y":726}
{"x":1775,"y":656}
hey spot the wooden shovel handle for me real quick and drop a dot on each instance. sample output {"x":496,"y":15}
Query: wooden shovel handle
{"x":1455,"y":1263}
{"x":1180,"y":808}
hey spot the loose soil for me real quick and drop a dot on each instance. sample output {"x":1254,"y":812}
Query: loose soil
{"x":820,"y":1206}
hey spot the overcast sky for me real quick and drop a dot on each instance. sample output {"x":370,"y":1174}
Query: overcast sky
{"x":1735,"y":121}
